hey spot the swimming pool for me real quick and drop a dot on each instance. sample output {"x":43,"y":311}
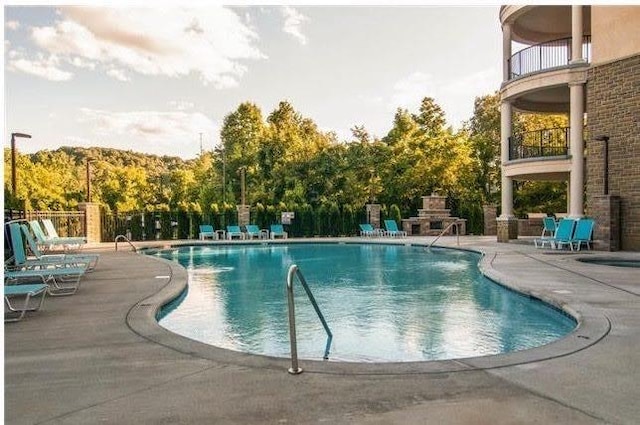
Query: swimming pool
{"x":384,"y":303}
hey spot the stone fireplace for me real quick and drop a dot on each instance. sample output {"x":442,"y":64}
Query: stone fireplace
{"x":433,"y":218}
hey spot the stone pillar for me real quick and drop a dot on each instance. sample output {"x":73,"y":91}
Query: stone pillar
{"x":507,"y":183}
{"x":576,"y":123}
{"x":244,"y":215}
{"x":506,"y":51}
{"x":490,"y":213}
{"x":605,"y":209}
{"x":93,"y":221}
{"x":576,"y":34}
{"x":373,"y":215}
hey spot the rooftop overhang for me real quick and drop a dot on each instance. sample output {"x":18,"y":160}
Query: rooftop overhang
{"x":537,"y":24}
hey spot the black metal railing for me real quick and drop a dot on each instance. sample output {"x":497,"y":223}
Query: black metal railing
{"x":550,"y":54}
{"x":539,"y":143}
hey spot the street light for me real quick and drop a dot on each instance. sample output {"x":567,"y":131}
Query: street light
{"x":605,"y":139}
{"x":13,"y":159}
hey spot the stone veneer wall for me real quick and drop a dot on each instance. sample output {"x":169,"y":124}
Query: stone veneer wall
{"x":613,"y":108}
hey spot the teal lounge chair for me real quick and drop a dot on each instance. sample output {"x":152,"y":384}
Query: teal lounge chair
{"x":28,"y":292}
{"x":206,"y":231}
{"x":78,"y":260}
{"x":53,"y":234}
{"x":277,"y":231}
{"x":392,"y":229}
{"x":582,"y":234}
{"x":254,"y":231}
{"x":368,"y":230}
{"x":549,"y":227}
{"x":564,"y":232}
{"x":234,"y":231}
{"x":46,"y":242}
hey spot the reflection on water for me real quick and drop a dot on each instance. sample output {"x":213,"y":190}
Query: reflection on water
{"x":382,"y":302}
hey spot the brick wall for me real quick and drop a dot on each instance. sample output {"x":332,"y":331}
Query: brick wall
{"x":613,"y":108}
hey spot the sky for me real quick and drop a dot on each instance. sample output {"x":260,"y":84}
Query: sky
{"x":158,"y":80}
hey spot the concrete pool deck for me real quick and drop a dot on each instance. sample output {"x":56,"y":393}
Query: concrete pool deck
{"x":98,"y":356}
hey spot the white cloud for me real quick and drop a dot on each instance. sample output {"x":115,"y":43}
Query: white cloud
{"x":44,"y":67}
{"x":292,"y":23}
{"x":118,"y":74}
{"x":180,"y":105}
{"x":409,"y":91}
{"x":163,"y":133}
{"x":12,"y":25}
{"x":211,"y":42}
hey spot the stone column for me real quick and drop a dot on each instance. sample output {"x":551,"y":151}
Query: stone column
{"x":373,"y":215}
{"x":605,"y":209}
{"x":490,"y":213}
{"x":576,"y":34}
{"x":244,"y":215}
{"x":93,"y":221}
{"x":576,"y":149}
{"x":506,"y":51}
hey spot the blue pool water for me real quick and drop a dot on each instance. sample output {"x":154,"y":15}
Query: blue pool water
{"x":382,"y":302}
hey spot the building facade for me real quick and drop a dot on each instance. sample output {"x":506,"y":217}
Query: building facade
{"x":582,"y":61}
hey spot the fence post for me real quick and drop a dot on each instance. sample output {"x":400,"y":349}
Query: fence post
{"x":92,"y":221}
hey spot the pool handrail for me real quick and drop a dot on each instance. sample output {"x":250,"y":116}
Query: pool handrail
{"x":295,"y":271}
{"x":455,"y":224}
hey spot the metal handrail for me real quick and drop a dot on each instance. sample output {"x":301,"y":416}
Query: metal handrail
{"x":539,"y":143}
{"x":453,"y":223}
{"x":547,"y":55}
{"x":126,"y":240}
{"x":295,"y":271}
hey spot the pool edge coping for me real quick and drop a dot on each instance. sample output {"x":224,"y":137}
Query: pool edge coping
{"x":592,"y":326}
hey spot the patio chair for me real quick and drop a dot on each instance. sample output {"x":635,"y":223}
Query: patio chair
{"x":367,"y":229}
{"x":45,"y":241}
{"x":75,"y":259}
{"x":234,"y":231}
{"x":564,"y":232}
{"x":253,"y":231}
{"x":583,"y":233}
{"x":206,"y":231}
{"x":28,"y":292}
{"x":53,"y":234}
{"x":392,"y":229}
{"x":549,"y":226}
{"x":278,"y":231}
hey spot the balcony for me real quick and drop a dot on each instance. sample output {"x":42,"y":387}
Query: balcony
{"x":548,"y":142}
{"x":544,"y":56}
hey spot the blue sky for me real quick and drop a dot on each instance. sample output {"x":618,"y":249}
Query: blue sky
{"x":153,"y":79}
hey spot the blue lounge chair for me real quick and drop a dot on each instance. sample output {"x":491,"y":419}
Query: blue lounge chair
{"x":75,"y":259}
{"x":28,"y":292}
{"x":206,"y":231}
{"x":253,"y":231}
{"x":46,"y":242}
{"x":234,"y":231}
{"x":278,"y":231}
{"x":564,"y":233}
{"x":582,"y":234}
{"x":368,"y":230}
{"x":549,"y":226}
{"x":392,"y":229}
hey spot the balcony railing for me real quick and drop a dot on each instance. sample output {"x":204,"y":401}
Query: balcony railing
{"x":539,"y":143}
{"x":551,"y":54}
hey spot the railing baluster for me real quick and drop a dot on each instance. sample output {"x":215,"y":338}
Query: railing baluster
{"x":546,"y":55}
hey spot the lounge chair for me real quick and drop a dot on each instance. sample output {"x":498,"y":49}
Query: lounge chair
{"x":368,"y":230}
{"x":253,"y":231}
{"x":62,"y":278}
{"x":53,"y":234}
{"x":278,"y":231}
{"x":206,"y":231}
{"x":563,"y":234}
{"x":29,"y":292}
{"x":582,"y":233}
{"x":549,"y":226}
{"x":392,"y":229}
{"x":234,"y":231}
{"x":76,"y":259}
{"x":46,"y":242}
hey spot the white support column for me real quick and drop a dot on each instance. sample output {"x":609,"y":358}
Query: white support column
{"x":576,"y":179}
{"x":576,"y":34}
{"x":507,"y":183}
{"x":506,"y":51}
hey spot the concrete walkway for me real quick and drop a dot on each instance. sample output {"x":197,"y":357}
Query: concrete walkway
{"x":98,"y":356}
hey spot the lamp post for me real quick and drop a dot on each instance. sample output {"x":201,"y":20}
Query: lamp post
{"x":89,"y":161}
{"x":605,"y":139}
{"x":13,"y":159}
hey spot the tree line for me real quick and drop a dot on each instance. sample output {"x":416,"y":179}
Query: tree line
{"x":288,"y":163}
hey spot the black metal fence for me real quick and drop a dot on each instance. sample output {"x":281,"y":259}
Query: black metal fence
{"x":539,"y":143}
{"x":550,"y":54}
{"x":66,"y":223}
